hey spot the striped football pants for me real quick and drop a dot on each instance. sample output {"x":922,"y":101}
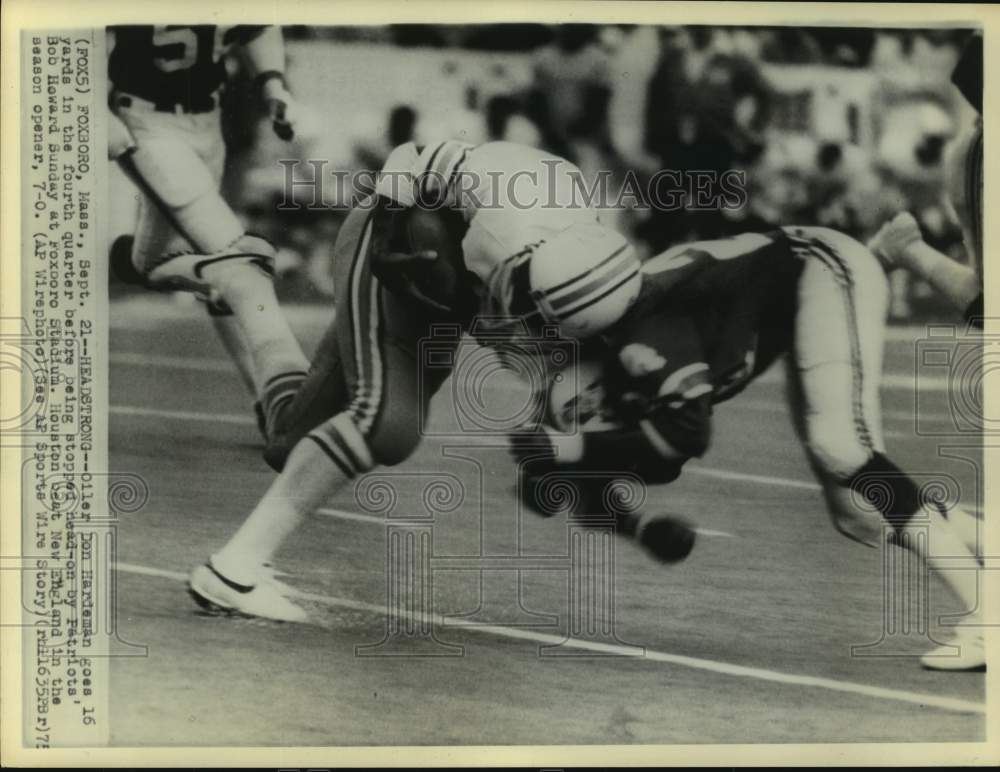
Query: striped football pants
{"x":835,"y":367}
{"x":366,"y":396}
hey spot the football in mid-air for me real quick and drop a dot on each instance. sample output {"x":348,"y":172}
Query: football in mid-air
{"x":667,"y":538}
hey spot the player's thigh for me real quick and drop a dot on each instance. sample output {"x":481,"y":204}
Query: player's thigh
{"x":378,"y":336}
{"x":155,"y":236}
{"x":205,"y":132}
{"x":176,"y":180}
{"x":837,"y":354}
{"x":166,"y":159}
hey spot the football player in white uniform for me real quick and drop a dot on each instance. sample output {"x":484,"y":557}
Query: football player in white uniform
{"x":899,"y":243}
{"x":165,"y":134}
{"x":519,"y":249}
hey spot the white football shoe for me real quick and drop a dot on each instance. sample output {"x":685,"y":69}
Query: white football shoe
{"x":215,"y":592}
{"x":971,"y":654}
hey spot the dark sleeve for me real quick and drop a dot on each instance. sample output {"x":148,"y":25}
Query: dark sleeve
{"x":974,"y":313}
{"x":663,"y":395}
{"x":968,"y":73}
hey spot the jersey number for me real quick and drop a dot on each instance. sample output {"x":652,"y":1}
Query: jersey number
{"x":178,"y":47}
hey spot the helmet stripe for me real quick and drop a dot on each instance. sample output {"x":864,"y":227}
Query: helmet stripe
{"x":597,"y":281}
{"x":584,"y":274}
{"x":588,"y":303}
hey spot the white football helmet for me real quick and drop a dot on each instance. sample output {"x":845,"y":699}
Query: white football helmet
{"x":584,"y":279}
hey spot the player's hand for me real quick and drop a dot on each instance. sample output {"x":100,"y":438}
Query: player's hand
{"x":282,"y":108}
{"x":893,"y":239}
{"x":120,"y":139}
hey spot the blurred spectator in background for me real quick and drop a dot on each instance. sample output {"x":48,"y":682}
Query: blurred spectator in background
{"x":507,"y":122}
{"x":705,"y":110}
{"x":371,"y":150}
{"x":844,"y":46}
{"x":789,"y":45}
{"x":833,"y":126}
{"x":568,"y":100}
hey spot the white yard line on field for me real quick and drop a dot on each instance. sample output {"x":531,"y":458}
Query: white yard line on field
{"x":891,"y":381}
{"x":341,"y":514}
{"x":954,"y":704}
{"x":153,"y":309}
{"x":182,"y":415}
{"x":203,"y":364}
{"x":694,"y":469}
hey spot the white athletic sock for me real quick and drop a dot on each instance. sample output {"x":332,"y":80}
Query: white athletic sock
{"x":309,"y":479}
{"x":231,"y":335}
{"x":272,"y":345}
{"x":945,"y":552}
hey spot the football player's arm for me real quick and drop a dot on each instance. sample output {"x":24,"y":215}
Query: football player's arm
{"x":120,"y":140}
{"x":668,"y":415}
{"x":673,"y":428}
{"x":957,"y":282}
{"x":264,"y":55}
{"x":899,"y":244}
{"x":264,"y":51}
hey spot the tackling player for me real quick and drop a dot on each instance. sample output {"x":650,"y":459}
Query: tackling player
{"x":712,"y":316}
{"x":522,"y":250}
{"x":165,"y":134}
{"x":898,"y":244}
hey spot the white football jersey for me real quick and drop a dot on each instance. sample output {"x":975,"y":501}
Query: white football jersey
{"x":513,"y":196}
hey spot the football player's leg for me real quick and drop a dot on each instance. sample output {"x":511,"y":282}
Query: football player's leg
{"x":381,"y":423}
{"x":206,"y":135}
{"x":292,"y":406}
{"x":159,"y":235}
{"x":841,"y":325}
{"x":843,"y":297}
{"x":834,"y":384}
{"x":237,"y":265}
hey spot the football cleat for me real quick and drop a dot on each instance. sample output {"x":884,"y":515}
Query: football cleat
{"x":218,"y":594}
{"x":971,"y":654}
{"x":186,"y":271}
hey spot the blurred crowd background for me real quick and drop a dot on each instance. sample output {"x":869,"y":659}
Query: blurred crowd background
{"x":842,"y":127}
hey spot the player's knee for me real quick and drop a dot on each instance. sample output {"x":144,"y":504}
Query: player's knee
{"x":395,"y":432}
{"x":389,"y":448}
{"x":277,"y":450}
{"x":241,"y":270}
{"x":344,"y":444}
{"x":253,"y":244}
{"x":252,"y":250}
